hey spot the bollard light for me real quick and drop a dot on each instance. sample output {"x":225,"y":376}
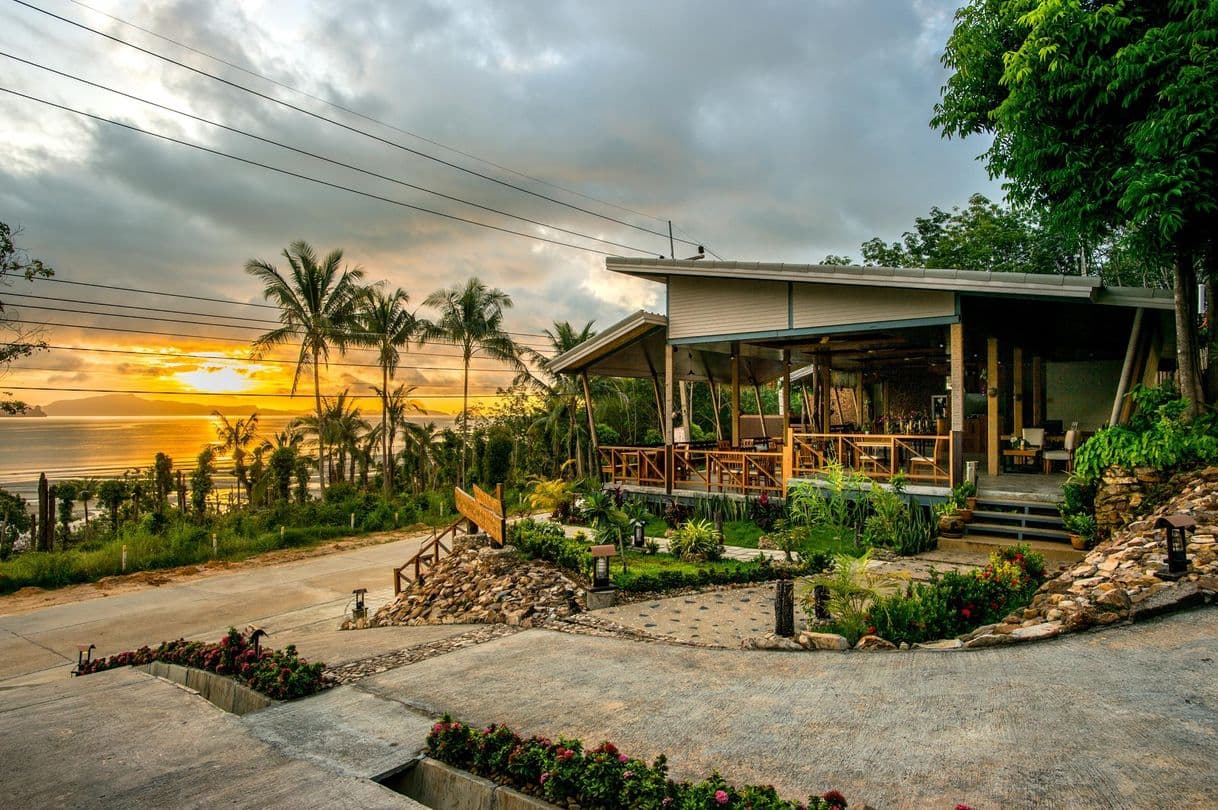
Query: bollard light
{"x":639,"y":537}
{"x":600,"y":566}
{"x":1175,"y":537}
{"x":360,"y":612}
{"x":84,"y":655}
{"x":256,"y":633}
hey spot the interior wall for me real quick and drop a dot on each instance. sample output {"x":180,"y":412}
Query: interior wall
{"x":1081,"y":391}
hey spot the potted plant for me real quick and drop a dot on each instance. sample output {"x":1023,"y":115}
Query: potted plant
{"x":950,"y":522}
{"x":964,"y":498}
{"x":1082,"y":530}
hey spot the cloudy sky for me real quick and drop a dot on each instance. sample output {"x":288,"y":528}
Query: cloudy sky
{"x":768,"y":131}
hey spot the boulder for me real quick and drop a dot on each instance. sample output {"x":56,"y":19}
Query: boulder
{"x":941,"y":644}
{"x":1037,"y":632}
{"x":874,"y":643}
{"x":823,"y":641}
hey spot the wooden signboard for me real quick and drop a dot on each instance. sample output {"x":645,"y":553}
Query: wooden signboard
{"x":484,"y":511}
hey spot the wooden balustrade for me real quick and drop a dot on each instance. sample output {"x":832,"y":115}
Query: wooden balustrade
{"x":921,"y":459}
{"x":696,"y":468}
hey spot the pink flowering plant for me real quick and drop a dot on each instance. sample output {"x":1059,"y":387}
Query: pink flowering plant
{"x":278,"y":674}
{"x":603,"y":777}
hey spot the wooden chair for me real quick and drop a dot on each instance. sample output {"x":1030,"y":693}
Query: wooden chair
{"x":937,"y":461}
{"x":1066,"y":455}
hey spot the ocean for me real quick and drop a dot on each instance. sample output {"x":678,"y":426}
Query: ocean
{"x":106,"y":446}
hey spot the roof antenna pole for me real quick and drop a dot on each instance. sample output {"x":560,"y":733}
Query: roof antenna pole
{"x":672,"y":246}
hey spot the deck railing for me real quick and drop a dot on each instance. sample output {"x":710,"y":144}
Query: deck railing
{"x":744,"y":472}
{"x":922,"y":459}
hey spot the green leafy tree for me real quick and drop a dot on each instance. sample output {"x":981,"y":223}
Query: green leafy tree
{"x":1102,"y":117}
{"x":383,"y":322}
{"x":563,"y":394}
{"x":14,"y":520}
{"x":235,"y":438}
{"x":65,"y":493}
{"x":316,"y":303}
{"x":111,"y":493}
{"x":162,"y":476}
{"x":471,"y":318}
{"x":202,"y":480}
{"x":86,"y":490}
{"x":16,"y":340}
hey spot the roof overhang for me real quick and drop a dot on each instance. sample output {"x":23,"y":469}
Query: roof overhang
{"x":1087,"y":288}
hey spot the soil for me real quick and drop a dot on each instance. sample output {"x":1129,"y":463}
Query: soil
{"x":27,"y":599}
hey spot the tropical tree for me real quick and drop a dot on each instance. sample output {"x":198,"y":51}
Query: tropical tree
{"x":563,"y":393}
{"x":395,"y":405}
{"x":384,"y":322}
{"x":235,"y":438}
{"x":1101,"y":116}
{"x":316,"y":303}
{"x":86,"y":490}
{"x":202,"y":480}
{"x":16,"y":340}
{"x":420,"y":451}
{"x":471,"y":318}
{"x":112,"y":492}
{"x":340,"y":428}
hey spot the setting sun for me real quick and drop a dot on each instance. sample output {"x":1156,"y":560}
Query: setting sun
{"x":215,"y":380}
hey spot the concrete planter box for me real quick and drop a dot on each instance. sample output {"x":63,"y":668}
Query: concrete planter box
{"x":442,"y":787}
{"x":219,"y":690}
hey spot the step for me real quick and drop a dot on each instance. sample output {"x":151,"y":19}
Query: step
{"x":980,"y":544}
{"x":1024,"y":507}
{"x":1051,"y":521}
{"x":1019,"y":532}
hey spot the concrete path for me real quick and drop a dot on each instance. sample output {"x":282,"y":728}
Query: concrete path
{"x":299,"y":602}
{"x":1123,"y":718}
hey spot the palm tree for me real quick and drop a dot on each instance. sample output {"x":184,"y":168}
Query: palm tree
{"x":563,"y":392}
{"x":316,"y":303}
{"x":384,"y":323}
{"x":396,"y":405}
{"x":235,"y":437}
{"x":471,"y":317}
{"x":423,"y":439}
{"x":86,"y":490}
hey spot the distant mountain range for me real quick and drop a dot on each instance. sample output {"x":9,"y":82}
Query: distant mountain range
{"x":131,"y":405}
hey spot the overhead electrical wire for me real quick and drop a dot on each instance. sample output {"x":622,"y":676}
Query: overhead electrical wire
{"x":298,"y":175}
{"x":366,"y":117}
{"x":218,"y":394}
{"x":320,"y":157}
{"x":340,"y":124}
{"x":116,"y":288}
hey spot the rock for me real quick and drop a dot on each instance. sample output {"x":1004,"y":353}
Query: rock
{"x":991,"y":640}
{"x":1037,"y":632}
{"x":1185,"y":594}
{"x":984,"y":630}
{"x":1054,"y":615}
{"x":874,"y":643}
{"x":823,"y":641}
{"x":941,"y":644}
{"x":1117,"y":599}
{"x":904,"y":646}
{"x":773,"y":642}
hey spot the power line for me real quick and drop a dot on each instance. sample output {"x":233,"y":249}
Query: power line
{"x":219,"y":394}
{"x":364,"y":116}
{"x":317,"y":156}
{"x":226,"y":359}
{"x":58,"y":280}
{"x":340,"y":124}
{"x":188,"y":312}
{"x":298,"y":175}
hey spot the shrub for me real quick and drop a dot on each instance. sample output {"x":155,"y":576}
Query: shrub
{"x":567,"y":774}
{"x":852,"y":588}
{"x":765,"y":512}
{"x":554,"y":495}
{"x":546,"y":541}
{"x":696,"y":540}
{"x":675,"y":513}
{"x":278,"y":674}
{"x":897,"y":522}
{"x":955,"y":602}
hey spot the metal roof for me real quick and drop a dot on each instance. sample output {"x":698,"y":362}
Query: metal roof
{"x":962,"y":281}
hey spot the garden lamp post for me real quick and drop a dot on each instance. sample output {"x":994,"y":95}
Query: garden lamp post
{"x":1175,"y":536}
{"x":600,"y":566}
{"x":639,"y":537}
{"x":360,"y":611}
{"x":84,"y":655}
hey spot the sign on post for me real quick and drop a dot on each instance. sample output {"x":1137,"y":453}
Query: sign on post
{"x":484,"y":510}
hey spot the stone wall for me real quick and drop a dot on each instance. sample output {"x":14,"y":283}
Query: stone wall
{"x":1122,"y":495}
{"x":481,"y":584}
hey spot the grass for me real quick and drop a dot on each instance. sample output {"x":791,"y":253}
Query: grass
{"x":664,"y":572}
{"x":181,"y":544}
{"x":746,"y":533}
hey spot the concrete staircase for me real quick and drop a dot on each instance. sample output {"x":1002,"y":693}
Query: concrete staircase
{"x":1005,"y":521}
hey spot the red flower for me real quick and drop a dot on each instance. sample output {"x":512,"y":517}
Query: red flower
{"x":834,"y":799}
{"x":965,"y":612}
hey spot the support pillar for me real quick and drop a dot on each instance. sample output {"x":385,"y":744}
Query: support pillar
{"x":993,"y":427}
{"x":596,"y":446}
{"x":1017,"y":391}
{"x":825,"y":373}
{"x":735,"y":404}
{"x":956,"y":339}
{"x":784,"y":402}
{"x":1038,"y":390}
{"x":714,"y":395}
{"x":1135,"y":335}
{"x":669,"y":356}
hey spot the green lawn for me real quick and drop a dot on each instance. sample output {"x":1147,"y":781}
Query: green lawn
{"x":660,"y":572}
{"x":745,"y":534}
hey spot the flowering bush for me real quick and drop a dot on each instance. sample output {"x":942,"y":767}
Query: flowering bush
{"x":278,"y":674}
{"x":603,"y":777}
{"x":953,"y":603}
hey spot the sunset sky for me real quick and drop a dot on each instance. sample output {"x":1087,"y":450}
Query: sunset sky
{"x":768,"y":131}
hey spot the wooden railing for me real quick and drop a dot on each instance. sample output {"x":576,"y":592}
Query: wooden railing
{"x":419,"y":566}
{"x":482,"y":510}
{"x":922,"y":459}
{"x":725,"y":471}
{"x":642,"y":466}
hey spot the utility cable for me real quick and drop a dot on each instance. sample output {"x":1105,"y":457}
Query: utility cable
{"x":340,"y":124}
{"x":316,"y":156}
{"x":219,"y":394}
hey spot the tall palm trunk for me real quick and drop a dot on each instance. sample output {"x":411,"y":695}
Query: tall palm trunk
{"x":464,"y":417}
{"x":321,"y":426}
{"x":386,"y":470}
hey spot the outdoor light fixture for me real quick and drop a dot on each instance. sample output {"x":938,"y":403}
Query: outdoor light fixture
{"x":84,"y":655}
{"x":361,"y":611}
{"x":701,"y":255}
{"x":1175,"y":529}
{"x":600,"y":566}
{"x":639,"y":537}
{"x":256,"y":634}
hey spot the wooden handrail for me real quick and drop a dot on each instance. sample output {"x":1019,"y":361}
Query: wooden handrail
{"x":879,"y":455}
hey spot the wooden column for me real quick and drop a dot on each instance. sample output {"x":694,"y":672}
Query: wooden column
{"x":993,"y":425}
{"x":1127,"y":372}
{"x":957,"y":407}
{"x":714,"y":395}
{"x":824,"y":371}
{"x":669,"y":356}
{"x":1038,"y":390}
{"x":784,"y":402}
{"x":735,"y":404}
{"x":1017,"y":390}
{"x":596,"y":446}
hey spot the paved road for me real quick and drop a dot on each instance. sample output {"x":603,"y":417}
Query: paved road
{"x":300,"y":602}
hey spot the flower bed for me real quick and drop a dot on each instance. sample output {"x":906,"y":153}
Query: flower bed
{"x":647,"y":578}
{"x":278,"y":674}
{"x":563,"y":772}
{"x":953,"y":603}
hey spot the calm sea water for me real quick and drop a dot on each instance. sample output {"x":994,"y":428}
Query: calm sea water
{"x":106,"y":446}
